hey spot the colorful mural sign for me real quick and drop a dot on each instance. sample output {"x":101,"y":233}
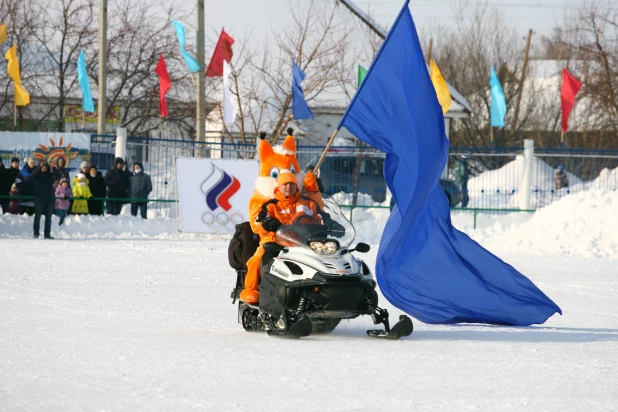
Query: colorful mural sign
{"x":73,"y":114}
{"x":74,"y":148}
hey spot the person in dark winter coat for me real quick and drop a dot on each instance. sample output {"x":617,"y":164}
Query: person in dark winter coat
{"x":560,"y":179}
{"x":139,"y":188}
{"x":117,"y":182}
{"x":43,"y":180}
{"x":58,"y":168}
{"x":7,"y":179}
{"x":462,"y":175}
{"x":97,"y":188}
{"x":25,"y":184}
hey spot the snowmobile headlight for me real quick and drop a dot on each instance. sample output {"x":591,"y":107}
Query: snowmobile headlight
{"x":326,"y":248}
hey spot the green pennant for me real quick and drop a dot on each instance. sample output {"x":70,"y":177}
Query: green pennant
{"x":362,"y":72}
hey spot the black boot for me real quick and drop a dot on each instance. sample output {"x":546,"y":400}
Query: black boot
{"x":48,"y":237}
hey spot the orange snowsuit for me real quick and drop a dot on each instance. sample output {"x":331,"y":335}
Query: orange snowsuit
{"x":286,"y":210}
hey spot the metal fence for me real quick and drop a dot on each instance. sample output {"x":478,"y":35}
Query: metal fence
{"x":495,"y":175}
{"x":475,"y":178}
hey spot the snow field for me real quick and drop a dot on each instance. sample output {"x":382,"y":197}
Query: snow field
{"x":148,"y":325}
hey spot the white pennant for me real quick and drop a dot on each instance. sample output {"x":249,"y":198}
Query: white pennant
{"x":230,"y":102}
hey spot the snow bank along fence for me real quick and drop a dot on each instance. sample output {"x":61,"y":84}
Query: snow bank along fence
{"x":496,"y":180}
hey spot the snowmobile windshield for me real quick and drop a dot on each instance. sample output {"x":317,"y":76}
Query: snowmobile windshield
{"x":316,"y":220}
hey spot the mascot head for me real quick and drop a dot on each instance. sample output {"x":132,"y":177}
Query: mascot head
{"x":273,"y":161}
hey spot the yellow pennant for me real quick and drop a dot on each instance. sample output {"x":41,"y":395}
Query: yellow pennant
{"x":3,"y":33}
{"x":22,"y":98}
{"x":444,"y":96}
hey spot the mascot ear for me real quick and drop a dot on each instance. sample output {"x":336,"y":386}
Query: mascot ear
{"x":266,"y":150}
{"x":289,"y":145}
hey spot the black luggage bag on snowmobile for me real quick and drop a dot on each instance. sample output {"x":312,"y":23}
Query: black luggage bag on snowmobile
{"x":243,"y":245}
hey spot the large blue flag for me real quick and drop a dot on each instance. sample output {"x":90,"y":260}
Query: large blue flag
{"x":425,"y":266}
{"x":192,"y":64}
{"x":300,"y":108}
{"x":84,"y":84}
{"x":498,"y":103}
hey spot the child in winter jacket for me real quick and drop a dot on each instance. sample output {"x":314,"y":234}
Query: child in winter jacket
{"x":14,"y":204}
{"x":63,"y":193}
{"x":81,"y":189}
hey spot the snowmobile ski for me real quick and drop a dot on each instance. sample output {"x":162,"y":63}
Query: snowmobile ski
{"x":402,"y":328}
{"x":303,"y":327}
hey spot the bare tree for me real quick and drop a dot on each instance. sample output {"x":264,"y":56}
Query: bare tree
{"x":66,"y":27}
{"x":141,"y":31}
{"x":481,"y":39}
{"x":318,"y":41}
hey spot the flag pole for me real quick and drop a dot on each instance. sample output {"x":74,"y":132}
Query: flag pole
{"x":561,"y":137}
{"x":491,"y":136}
{"x":330,"y":142}
{"x":160,"y":126}
{"x":14,"y":113}
{"x":83,"y":121}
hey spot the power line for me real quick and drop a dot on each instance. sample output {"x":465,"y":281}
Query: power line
{"x":537,"y":5}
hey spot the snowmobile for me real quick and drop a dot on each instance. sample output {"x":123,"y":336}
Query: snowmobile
{"x":310,"y":280}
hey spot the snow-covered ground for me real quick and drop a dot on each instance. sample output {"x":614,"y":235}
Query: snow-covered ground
{"x":123,"y":314}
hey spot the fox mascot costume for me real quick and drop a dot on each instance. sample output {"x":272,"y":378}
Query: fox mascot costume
{"x":273,"y":160}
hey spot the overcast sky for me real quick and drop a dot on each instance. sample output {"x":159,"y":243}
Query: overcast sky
{"x":258,"y":16}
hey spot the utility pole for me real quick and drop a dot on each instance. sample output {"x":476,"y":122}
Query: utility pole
{"x":365,"y":18}
{"x":521,"y":82}
{"x":429,"y":50}
{"x":102,"y":67}
{"x":200,"y":116}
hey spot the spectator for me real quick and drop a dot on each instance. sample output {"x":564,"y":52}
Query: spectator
{"x":84,"y":167}
{"x":561,"y":180}
{"x":43,"y":180}
{"x":58,"y":168}
{"x":309,"y":169}
{"x":63,"y":194}
{"x":81,"y":189}
{"x":97,"y":188}
{"x":14,"y":206}
{"x":117,"y":182}
{"x":25,"y":184}
{"x":7,"y":179}
{"x":139,"y":188}
{"x":462,"y":175}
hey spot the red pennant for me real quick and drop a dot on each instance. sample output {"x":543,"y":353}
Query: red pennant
{"x":165,"y":85}
{"x":570,"y":88}
{"x":222,"y":52}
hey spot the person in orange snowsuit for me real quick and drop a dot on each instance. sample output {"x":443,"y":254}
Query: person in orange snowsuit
{"x":273,"y":161}
{"x":286,"y":207}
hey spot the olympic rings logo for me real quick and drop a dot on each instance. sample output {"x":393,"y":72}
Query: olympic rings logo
{"x":223,"y":220}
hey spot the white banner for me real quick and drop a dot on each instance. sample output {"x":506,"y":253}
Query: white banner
{"x":74,"y":148}
{"x":214,"y":193}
